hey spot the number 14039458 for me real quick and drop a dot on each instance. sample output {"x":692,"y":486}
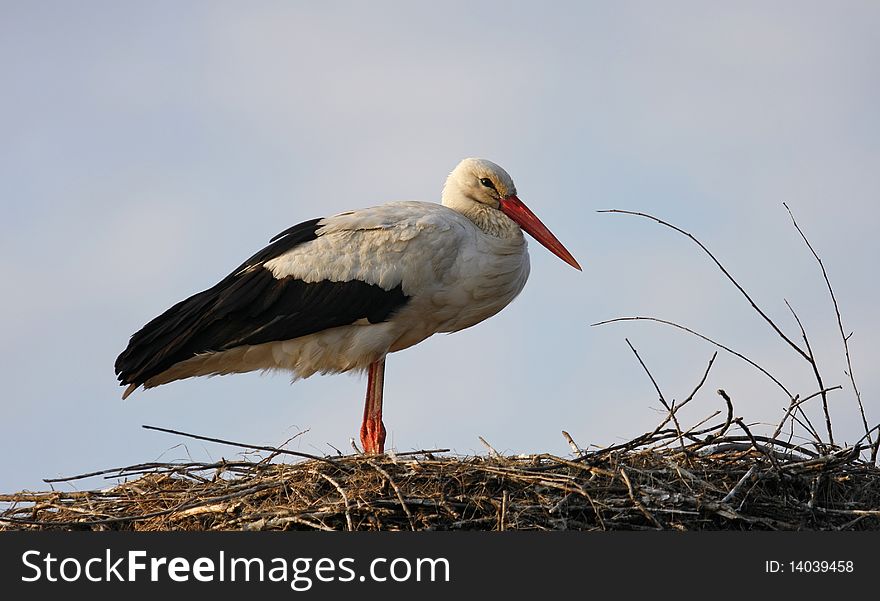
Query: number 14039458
{"x":820,"y":567}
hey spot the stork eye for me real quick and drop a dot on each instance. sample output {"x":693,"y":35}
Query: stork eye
{"x":488,"y":183}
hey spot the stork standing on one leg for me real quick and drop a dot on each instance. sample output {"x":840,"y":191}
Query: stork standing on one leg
{"x":338,"y":294}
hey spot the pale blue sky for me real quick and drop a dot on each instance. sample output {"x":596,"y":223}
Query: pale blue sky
{"x":147,"y":148}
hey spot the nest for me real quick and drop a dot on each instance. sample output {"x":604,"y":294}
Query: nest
{"x":715,"y":483}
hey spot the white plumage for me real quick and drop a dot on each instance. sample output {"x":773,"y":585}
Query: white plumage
{"x":340,"y":293}
{"x":454,"y":274}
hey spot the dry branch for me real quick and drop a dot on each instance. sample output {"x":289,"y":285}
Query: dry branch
{"x":843,"y":336}
{"x":795,"y":413}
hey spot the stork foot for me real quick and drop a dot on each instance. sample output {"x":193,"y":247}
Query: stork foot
{"x":373,"y":436}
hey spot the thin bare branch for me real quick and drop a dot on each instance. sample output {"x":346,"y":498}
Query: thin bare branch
{"x":804,"y":422}
{"x":843,"y":336}
{"x":275,"y":450}
{"x":701,"y":336}
{"x":815,"y":366}
{"x":700,"y":383}
{"x":668,"y":407}
{"x":797,"y":401}
{"x":754,"y":305}
{"x":739,"y":422}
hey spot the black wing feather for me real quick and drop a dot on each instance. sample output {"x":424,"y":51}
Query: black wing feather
{"x":250,"y":306}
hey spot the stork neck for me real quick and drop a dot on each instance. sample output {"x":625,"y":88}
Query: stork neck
{"x":489,"y":220}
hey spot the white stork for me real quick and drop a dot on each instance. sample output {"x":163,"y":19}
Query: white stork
{"x":338,"y":294}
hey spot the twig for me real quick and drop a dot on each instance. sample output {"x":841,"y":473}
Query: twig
{"x":749,"y":476}
{"x":647,"y":371}
{"x":843,"y":336}
{"x":755,"y":438}
{"x":729,"y":418}
{"x":639,"y":505}
{"x":669,"y":409}
{"x":687,"y":400}
{"x":344,"y":496}
{"x":807,"y":425}
{"x":812,"y":361}
{"x":700,"y":383}
{"x":723,"y":270}
{"x":269,"y":458}
{"x":698,"y":335}
{"x":490,"y":448}
{"x":796,"y":402}
{"x":393,"y":484}
{"x":426,"y":452}
{"x":867,"y":435}
{"x":572,"y":444}
{"x":149,"y":467}
{"x":755,"y":444}
{"x":243,"y":444}
{"x":692,"y":431}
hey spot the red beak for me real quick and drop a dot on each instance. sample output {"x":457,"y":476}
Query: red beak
{"x":514,"y":208}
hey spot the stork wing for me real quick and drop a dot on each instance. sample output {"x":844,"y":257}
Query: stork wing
{"x":253,"y":305}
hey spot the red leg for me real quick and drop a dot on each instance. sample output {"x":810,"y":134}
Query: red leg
{"x":372,"y":429}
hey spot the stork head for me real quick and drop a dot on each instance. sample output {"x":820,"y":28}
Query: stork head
{"x":484,"y":192}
